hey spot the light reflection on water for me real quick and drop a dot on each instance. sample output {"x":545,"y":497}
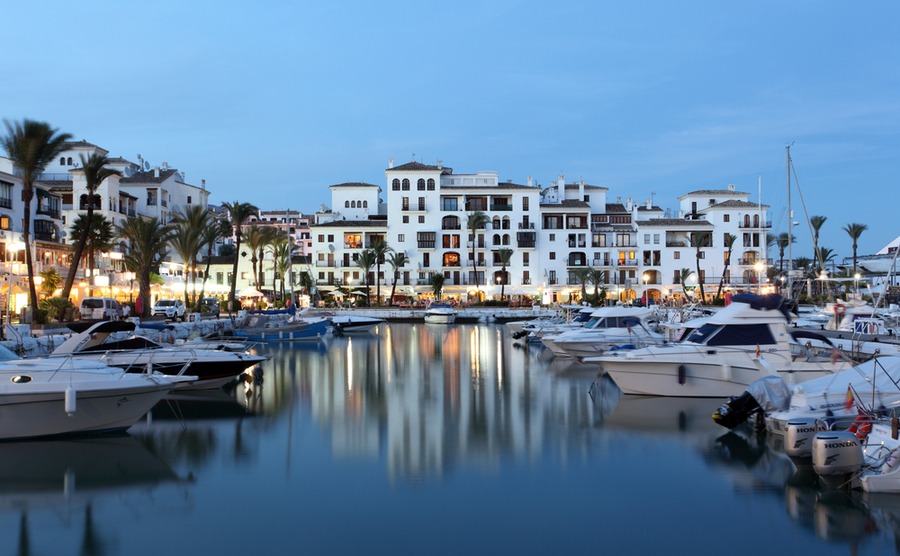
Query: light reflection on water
{"x":426,"y":439}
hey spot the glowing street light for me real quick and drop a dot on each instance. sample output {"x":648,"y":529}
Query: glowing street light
{"x":13,"y":248}
{"x":759,"y":266}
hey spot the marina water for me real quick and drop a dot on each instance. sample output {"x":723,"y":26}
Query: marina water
{"x":426,"y":439}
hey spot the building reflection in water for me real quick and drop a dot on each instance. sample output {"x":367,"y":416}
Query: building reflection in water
{"x":431,"y":395}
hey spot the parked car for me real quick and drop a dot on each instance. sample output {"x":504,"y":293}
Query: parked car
{"x":100,"y":308}
{"x":210,"y":306}
{"x":169,"y":308}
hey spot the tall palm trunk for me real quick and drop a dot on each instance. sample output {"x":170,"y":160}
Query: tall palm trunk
{"x":27,"y":196}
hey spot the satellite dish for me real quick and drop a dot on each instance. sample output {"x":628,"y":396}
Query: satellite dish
{"x":146,"y":165}
{"x":331,"y":247}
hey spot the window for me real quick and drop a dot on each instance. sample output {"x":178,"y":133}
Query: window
{"x":4,"y":222}
{"x":420,"y":185}
{"x":220,"y":278}
{"x":330,"y":238}
{"x":406,"y":219}
{"x":395,"y":185}
{"x":69,"y":161}
{"x":524,"y":203}
{"x":655,"y":239}
{"x":726,"y":218}
{"x":676,"y":255}
{"x":346,"y":204}
{"x":62,"y":161}
{"x":623,"y":240}
{"x":552,"y":255}
{"x":405,"y":185}
{"x":421,"y":219}
{"x":449,"y":203}
{"x":426,"y":260}
{"x":365,"y":204}
{"x":430,"y":184}
{"x":646,"y":239}
{"x":404,"y":203}
{"x":189,"y":199}
{"x":353,"y":204}
{"x":321,"y":238}
{"x":526,"y":257}
{"x":401,"y":238}
{"x":6,"y":190}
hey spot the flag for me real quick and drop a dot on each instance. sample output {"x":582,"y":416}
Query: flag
{"x":758,"y":351}
{"x":850,"y":401}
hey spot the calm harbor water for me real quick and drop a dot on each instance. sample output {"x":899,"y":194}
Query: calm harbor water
{"x":426,"y":439}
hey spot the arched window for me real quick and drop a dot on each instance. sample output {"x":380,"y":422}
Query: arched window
{"x":505,"y":222}
{"x":69,"y":161}
{"x":450,"y":223}
{"x":495,"y":224}
{"x":420,"y":185}
{"x":365,"y":204}
{"x":451,"y":259}
{"x":346,"y":204}
{"x":62,"y":161}
{"x":430,"y":184}
{"x":496,"y":239}
{"x":352,"y":204}
{"x":505,"y":239}
{"x":405,"y":184}
{"x":756,"y":221}
{"x":395,"y":185}
{"x":746,"y":220}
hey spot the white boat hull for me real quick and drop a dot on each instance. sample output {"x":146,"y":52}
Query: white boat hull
{"x":440,"y":318}
{"x":102,"y":406}
{"x":694,"y":377}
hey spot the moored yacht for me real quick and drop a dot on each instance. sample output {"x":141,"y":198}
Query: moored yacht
{"x":55,"y":396}
{"x":608,"y":328}
{"x":440,"y":313}
{"x":114,"y":343}
{"x":737,"y":345}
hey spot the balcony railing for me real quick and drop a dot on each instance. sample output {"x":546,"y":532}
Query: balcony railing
{"x":501,"y":207}
{"x":426,"y":244}
{"x":526,"y":226}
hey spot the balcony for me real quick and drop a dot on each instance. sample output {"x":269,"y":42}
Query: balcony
{"x":577,"y":244}
{"x":5,"y":203}
{"x":451,"y":227}
{"x":426,"y":244}
{"x":501,"y":207}
{"x":526,"y":225}
{"x":676,"y":244}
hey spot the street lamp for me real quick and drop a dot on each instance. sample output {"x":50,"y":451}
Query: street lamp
{"x":759,"y":268}
{"x":646,"y":277}
{"x":856,"y":284}
{"x":13,"y":248}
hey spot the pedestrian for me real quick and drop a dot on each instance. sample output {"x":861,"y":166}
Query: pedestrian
{"x":126,"y":311}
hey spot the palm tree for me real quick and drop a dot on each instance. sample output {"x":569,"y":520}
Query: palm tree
{"x":100,"y":235}
{"x":95,"y":172}
{"x":238,"y":214}
{"x":146,"y":246}
{"x":185,"y":241}
{"x":195,"y":219}
{"x":397,"y":260}
{"x":437,"y":284}
{"x":728,"y":240}
{"x":256,"y":242}
{"x":816,"y":222}
{"x":365,"y":262}
{"x":684,"y":274}
{"x":504,"y":255}
{"x":281,"y":259}
{"x":31,"y":146}
{"x":475,"y":221}
{"x":213,"y":231}
{"x":698,"y":241}
{"x":854,"y":231}
{"x":597,"y":277}
{"x":783,"y":240}
{"x":823,"y":256}
{"x":380,"y":248}
{"x":50,"y":280}
{"x":582,"y":275}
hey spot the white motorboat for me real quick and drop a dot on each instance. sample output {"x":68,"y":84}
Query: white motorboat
{"x":836,"y":399}
{"x":571,"y":317}
{"x":608,"y":328}
{"x":56,"y":396}
{"x":737,"y":345}
{"x":354,"y":324}
{"x":440,"y":313}
{"x":114,"y":343}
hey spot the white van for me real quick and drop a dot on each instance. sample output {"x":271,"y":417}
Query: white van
{"x":100,"y":308}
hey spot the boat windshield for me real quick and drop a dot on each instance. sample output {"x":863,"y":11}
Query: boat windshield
{"x":7,"y":354}
{"x":732,"y":335}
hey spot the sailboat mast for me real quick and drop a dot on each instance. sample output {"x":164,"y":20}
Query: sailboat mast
{"x":787,"y":153}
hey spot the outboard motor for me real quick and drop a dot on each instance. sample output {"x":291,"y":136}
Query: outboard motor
{"x":836,"y":456}
{"x":798,"y":436}
{"x":767,"y":394}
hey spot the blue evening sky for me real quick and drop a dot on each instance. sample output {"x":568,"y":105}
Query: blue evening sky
{"x":271,"y":102}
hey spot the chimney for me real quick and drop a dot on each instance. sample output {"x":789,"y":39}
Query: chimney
{"x":156,"y":171}
{"x":730,"y":187}
{"x":390,"y":163}
{"x":530,"y":181}
{"x":203,"y":184}
{"x":649,"y":204}
{"x":165,"y":166}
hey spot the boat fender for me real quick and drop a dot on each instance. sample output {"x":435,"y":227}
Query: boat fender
{"x":70,"y":400}
{"x":726,"y":372}
{"x":890,"y":462}
{"x":682,"y":374}
{"x":895,"y":425}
